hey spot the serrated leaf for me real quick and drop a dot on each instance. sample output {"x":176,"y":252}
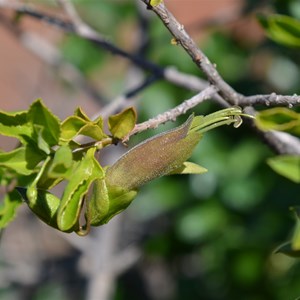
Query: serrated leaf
{"x":81,"y":114}
{"x":121,"y":124}
{"x":279,"y":118}
{"x":287,"y":166}
{"x":22,"y":160}
{"x":86,"y":172}
{"x":282,"y":29}
{"x":8,"y":209}
{"x":75,"y":125}
{"x":46,"y":125}
{"x":189,"y":168}
{"x":16,"y":125}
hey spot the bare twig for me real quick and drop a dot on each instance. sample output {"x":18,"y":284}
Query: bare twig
{"x":271,"y":100}
{"x":182,"y":38}
{"x":173,"y":113}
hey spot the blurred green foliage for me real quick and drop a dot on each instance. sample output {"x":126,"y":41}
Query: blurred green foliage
{"x":213,"y":234}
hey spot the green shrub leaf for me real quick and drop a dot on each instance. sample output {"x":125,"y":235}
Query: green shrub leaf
{"x":16,"y":125}
{"x":86,"y":172}
{"x":121,"y":124}
{"x":46,"y":125}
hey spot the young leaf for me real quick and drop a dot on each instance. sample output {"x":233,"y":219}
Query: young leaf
{"x":279,"y":118}
{"x":76,"y":125}
{"x":16,"y":125}
{"x":119,"y":200}
{"x":86,"y":172}
{"x":45,"y":205}
{"x":8,"y":209}
{"x":62,"y":162}
{"x":22,"y":160}
{"x":121,"y":124}
{"x":282,"y":29}
{"x":46,"y":125}
{"x":287,"y":166}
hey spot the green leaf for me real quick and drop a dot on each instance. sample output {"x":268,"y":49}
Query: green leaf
{"x":189,"y":168}
{"x":45,"y":124}
{"x":16,"y":125}
{"x":8,"y":209}
{"x":86,"y":172}
{"x":62,"y":162}
{"x":76,"y":125}
{"x":282,"y":29}
{"x":57,"y":169}
{"x":287,"y":166}
{"x":119,"y":200}
{"x":121,"y":124}
{"x":22,"y":160}
{"x":98,"y":202}
{"x":45,"y":205}
{"x":279,"y":118}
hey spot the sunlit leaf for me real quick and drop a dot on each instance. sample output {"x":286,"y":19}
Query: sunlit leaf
{"x":121,"y":124}
{"x":287,"y":166}
{"x":62,"y":162}
{"x":16,"y":125}
{"x":76,"y":125}
{"x":22,"y":160}
{"x":86,"y":172}
{"x":46,"y":125}
{"x":45,"y":205}
{"x":282,"y":29}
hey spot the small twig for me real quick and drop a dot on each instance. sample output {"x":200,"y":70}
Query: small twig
{"x":271,"y":100}
{"x":173,"y":113}
{"x":201,"y":60}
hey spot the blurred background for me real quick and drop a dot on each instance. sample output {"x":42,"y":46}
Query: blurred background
{"x":207,"y":237}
